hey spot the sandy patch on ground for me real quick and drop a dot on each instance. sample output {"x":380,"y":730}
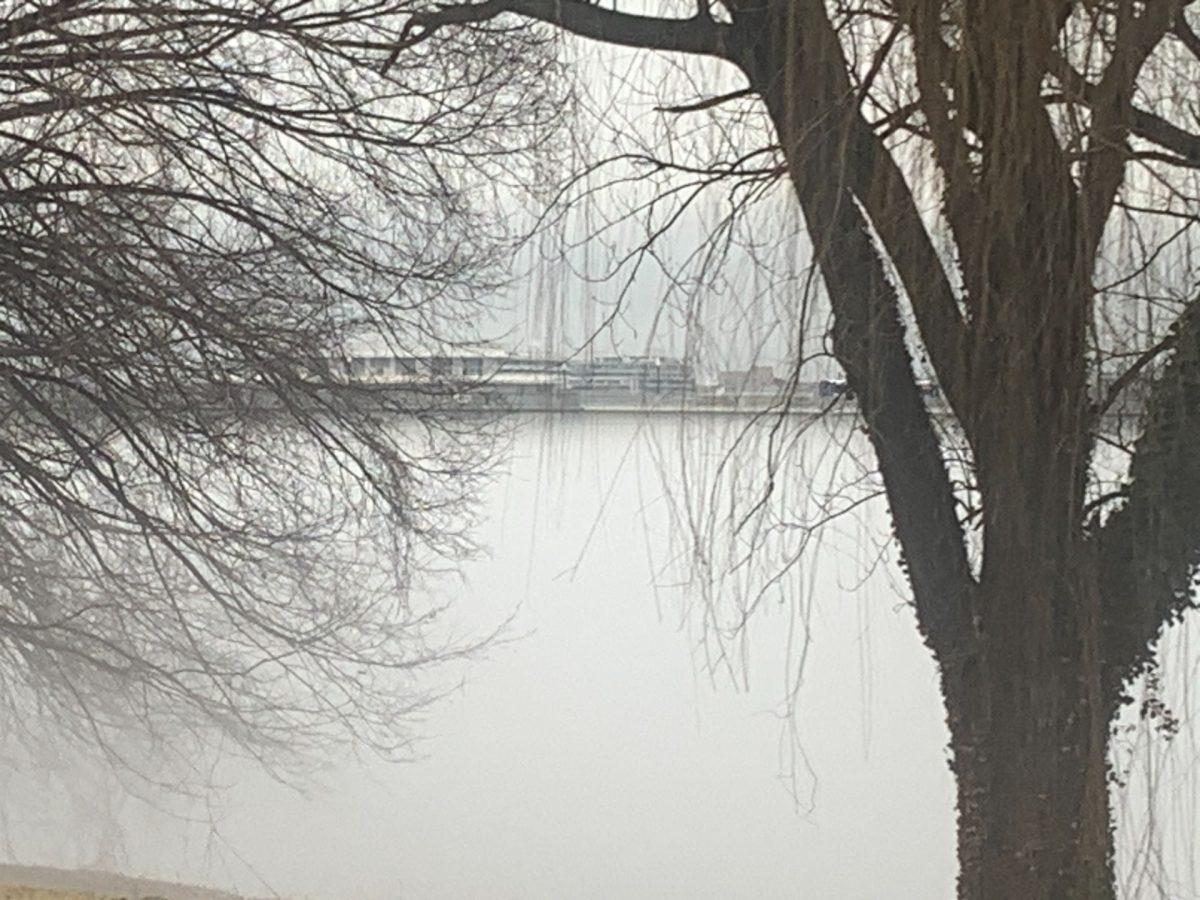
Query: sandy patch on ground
{"x":43,"y":883}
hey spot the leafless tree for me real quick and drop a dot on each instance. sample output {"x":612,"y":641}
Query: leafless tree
{"x":1009,"y":188}
{"x":209,"y":535}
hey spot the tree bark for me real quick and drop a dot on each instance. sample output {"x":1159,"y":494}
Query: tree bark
{"x":1018,"y":650}
{"x":1029,"y":726}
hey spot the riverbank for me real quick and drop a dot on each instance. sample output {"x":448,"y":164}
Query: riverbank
{"x":45,"y":883}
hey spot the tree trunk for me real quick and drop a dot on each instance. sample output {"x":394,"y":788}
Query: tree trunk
{"x":1029,"y":733}
{"x":1019,"y":649}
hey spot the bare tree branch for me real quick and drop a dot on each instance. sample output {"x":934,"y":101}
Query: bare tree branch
{"x":209,"y":534}
{"x":700,"y":34}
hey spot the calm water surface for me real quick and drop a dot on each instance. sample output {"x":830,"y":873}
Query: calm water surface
{"x":596,"y":756}
{"x":604,"y":751}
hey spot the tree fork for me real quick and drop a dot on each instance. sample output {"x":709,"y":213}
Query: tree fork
{"x":1028,"y":722}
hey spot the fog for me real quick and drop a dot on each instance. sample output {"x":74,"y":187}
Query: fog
{"x":592,"y":754}
{"x":593,"y":758}
{"x":597,"y":750}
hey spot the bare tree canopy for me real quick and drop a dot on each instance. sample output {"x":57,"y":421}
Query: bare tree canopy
{"x":1009,"y":192}
{"x":203,"y":206}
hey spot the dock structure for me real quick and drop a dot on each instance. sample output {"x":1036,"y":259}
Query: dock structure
{"x":497,"y":380}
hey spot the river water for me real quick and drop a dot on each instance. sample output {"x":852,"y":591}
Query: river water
{"x":607,"y":748}
{"x":602,"y":754}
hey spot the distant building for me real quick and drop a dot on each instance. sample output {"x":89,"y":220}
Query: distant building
{"x":469,"y":366}
{"x":632,"y":374}
{"x":755,"y":380}
{"x":518,"y":376}
{"x":531,"y":370}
